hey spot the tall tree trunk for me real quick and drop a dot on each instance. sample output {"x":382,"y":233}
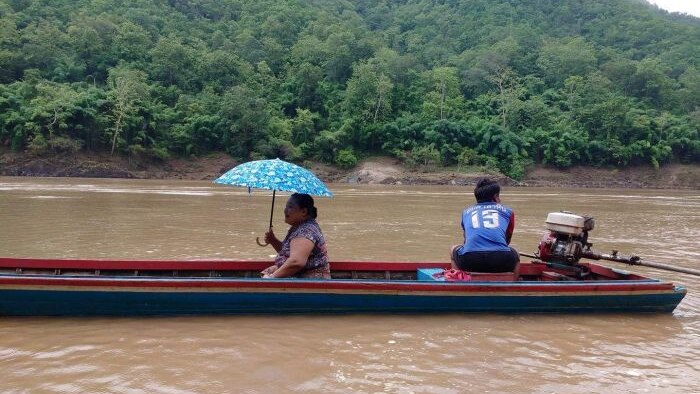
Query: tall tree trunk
{"x":117,"y":130}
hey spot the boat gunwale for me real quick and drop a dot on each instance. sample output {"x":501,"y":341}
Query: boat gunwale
{"x":97,"y":274}
{"x":168,"y":265}
{"x":33,"y":281}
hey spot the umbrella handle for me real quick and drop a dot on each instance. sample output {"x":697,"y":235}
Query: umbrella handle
{"x":272,"y":210}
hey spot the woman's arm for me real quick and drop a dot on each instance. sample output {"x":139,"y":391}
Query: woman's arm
{"x":299,"y":252}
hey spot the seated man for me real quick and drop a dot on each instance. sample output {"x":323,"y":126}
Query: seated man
{"x":488,"y":227}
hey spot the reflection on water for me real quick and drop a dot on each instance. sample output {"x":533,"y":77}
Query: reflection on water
{"x":90,"y":218}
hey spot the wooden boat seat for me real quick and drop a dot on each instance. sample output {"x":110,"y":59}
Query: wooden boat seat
{"x":554,"y":276}
{"x":494,"y":276}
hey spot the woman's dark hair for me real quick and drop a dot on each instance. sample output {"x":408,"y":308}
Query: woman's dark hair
{"x":486,"y":189}
{"x":303,"y":200}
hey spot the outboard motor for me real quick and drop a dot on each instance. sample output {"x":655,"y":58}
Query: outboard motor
{"x":566,"y":243}
{"x":567,"y":238}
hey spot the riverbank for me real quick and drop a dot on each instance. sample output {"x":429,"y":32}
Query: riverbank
{"x":381,"y":170}
{"x":390,"y":171}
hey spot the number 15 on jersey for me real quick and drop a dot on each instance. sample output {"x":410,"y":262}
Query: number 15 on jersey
{"x":487,"y":218}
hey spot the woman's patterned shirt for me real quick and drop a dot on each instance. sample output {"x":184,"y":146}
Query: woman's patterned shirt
{"x":311,"y":231}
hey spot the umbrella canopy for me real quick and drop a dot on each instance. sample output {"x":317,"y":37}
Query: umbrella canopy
{"x":274,"y":175}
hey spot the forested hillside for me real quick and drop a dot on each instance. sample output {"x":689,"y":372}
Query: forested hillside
{"x":500,"y":83}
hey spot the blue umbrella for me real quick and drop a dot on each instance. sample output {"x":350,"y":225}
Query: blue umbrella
{"x":274,"y":175}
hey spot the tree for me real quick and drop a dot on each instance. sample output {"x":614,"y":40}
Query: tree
{"x":651,"y":82}
{"x":426,"y":156}
{"x":562,"y":58}
{"x":689,"y":93}
{"x":10,"y":59}
{"x":172,"y":62}
{"x":247,"y":119}
{"x":126,"y":88}
{"x":41,"y":48}
{"x":132,"y":43}
{"x":443,"y":99}
{"x":368,"y":94}
{"x":303,"y":126}
{"x":14,"y":114}
{"x":508,"y":92}
{"x":346,"y":158}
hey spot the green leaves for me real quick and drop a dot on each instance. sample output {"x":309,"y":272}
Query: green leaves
{"x":443,"y":99}
{"x":562,"y":58}
{"x":127,"y":90}
{"x":368,"y":96}
{"x":602,"y":83}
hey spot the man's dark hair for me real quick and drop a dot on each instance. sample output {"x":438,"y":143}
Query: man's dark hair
{"x":486,"y":189}
{"x":305,"y":201}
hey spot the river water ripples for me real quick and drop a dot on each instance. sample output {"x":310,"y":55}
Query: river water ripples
{"x":150,"y":219}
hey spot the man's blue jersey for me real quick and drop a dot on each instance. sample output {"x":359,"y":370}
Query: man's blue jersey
{"x":488,"y":227}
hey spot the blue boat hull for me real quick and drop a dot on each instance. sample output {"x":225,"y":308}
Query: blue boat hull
{"x":110,"y":303}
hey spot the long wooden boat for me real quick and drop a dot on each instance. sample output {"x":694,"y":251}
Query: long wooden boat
{"x":61,"y":287}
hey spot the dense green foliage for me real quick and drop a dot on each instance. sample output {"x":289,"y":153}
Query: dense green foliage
{"x":500,"y":83}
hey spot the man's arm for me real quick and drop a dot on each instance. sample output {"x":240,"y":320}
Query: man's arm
{"x":511,"y":227}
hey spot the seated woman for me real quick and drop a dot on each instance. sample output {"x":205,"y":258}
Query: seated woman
{"x":302,"y":253}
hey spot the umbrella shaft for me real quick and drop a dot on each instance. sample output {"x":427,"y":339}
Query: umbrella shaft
{"x":272,"y":210}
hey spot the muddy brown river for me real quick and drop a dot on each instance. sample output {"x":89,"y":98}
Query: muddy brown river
{"x":152,"y":219}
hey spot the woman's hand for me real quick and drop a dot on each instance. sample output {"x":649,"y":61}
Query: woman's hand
{"x":267,"y":272}
{"x":270,"y":236}
{"x":272,"y":239}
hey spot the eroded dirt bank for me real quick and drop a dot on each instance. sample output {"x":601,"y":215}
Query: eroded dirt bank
{"x":381,"y":170}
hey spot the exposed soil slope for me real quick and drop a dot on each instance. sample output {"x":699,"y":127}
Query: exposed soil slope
{"x":381,"y":170}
